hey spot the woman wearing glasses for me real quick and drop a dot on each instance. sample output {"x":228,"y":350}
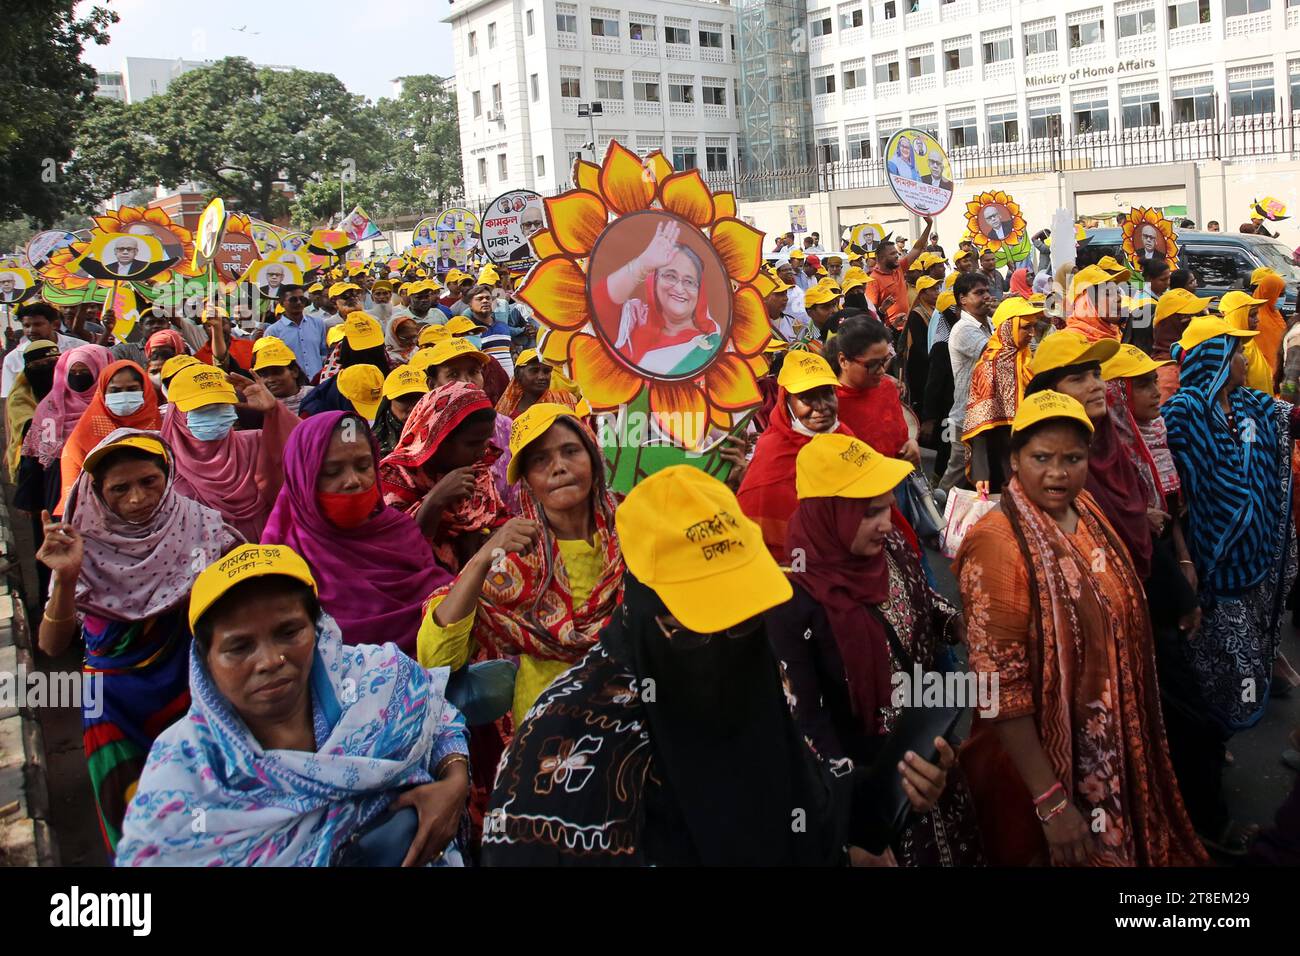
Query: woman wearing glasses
{"x":664,"y":325}
{"x":869,"y":401}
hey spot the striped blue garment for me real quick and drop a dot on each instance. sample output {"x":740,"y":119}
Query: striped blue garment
{"x":1233,"y":484}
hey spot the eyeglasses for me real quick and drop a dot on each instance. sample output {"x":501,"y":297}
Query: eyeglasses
{"x":876,"y":365}
{"x":685,"y":283}
{"x":296,"y":298}
{"x":685,"y":638}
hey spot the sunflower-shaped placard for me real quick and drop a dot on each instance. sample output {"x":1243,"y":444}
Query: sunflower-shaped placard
{"x":1149,"y":235}
{"x":644,"y":289}
{"x":1270,"y":208}
{"x":993,"y":220}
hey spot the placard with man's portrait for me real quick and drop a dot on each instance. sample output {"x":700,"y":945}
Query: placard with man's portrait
{"x":16,"y":285}
{"x":119,"y":256}
{"x":509,"y":224}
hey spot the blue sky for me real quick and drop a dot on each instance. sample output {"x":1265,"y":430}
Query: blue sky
{"x":365,"y":44}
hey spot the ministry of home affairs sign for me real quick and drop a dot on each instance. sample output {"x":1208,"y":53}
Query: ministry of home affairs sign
{"x":1090,"y":72}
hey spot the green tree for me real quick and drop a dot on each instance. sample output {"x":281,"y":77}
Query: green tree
{"x":415,"y":167}
{"x":47,"y":89}
{"x":239,"y":130}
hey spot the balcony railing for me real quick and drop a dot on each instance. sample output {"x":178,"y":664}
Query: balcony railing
{"x":1254,"y":24}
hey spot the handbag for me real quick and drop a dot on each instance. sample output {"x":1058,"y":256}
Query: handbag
{"x":482,"y":691}
{"x":963,"y":510}
{"x":916,"y":501}
{"x":384,"y":841}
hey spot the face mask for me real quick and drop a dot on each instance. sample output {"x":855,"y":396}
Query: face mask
{"x":475,"y":340}
{"x":122,"y":404}
{"x":347,"y":511}
{"x":211,"y":422}
{"x":157,"y":383}
{"x":80,"y":381}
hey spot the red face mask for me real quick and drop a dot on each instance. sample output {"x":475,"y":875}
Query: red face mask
{"x":350,"y":510}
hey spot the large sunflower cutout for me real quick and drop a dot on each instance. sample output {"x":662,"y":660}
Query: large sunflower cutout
{"x":645,"y":289}
{"x":993,"y":220}
{"x":1149,"y":235}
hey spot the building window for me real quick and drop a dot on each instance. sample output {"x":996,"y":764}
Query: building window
{"x":714,"y":95}
{"x":679,"y":35}
{"x":476,"y":99}
{"x":492,"y":36}
{"x":603,"y":27}
{"x":533,"y":87}
{"x":824,"y":85}
{"x":1004,"y":127}
{"x":715,"y":159}
{"x":641,"y":31}
{"x":1086,"y":34}
{"x":1136,"y":23}
{"x":1295,"y":85}
{"x":1091,"y":112}
{"x":1044,"y":120}
{"x":1250,"y":96}
{"x":501,"y":166}
{"x":958,"y":58}
{"x":496,"y":96}
{"x":828,"y":146}
{"x":1187,"y":13}
{"x":855,"y":78}
{"x":609,"y":88}
{"x":1040,"y":38}
{"x":645,"y":91}
{"x":819,"y":23}
{"x":528,"y":29}
{"x":885,"y":132}
{"x":683,"y":157}
{"x":571,"y":86}
{"x":920,"y":63}
{"x":850,"y":18}
{"x":1193,"y":99}
{"x":887,"y":71}
{"x":1139,"y":106}
{"x":711,"y":39}
{"x":566,"y":22}
{"x":472,"y":42}
{"x":857,"y":140}
{"x":681,"y":93}
{"x":482,"y":171}
{"x":962,"y":131}
{"x":1241,"y":8}
{"x":887,"y":10}
{"x":997,"y":49}
{"x":541,"y":161}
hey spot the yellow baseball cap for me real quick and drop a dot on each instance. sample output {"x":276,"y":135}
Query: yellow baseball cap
{"x":363,"y":386}
{"x":264,"y":342}
{"x":925,"y":282}
{"x":776,"y":344}
{"x":1129,"y":362}
{"x":198,"y":385}
{"x":1041,"y":406}
{"x":840,"y":466}
{"x":405,"y":380}
{"x":316,"y":287}
{"x":1090,"y":276}
{"x":1069,"y":348}
{"x":1237,"y":299}
{"x":946,"y":301}
{"x":335,"y":334}
{"x":1207,"y":327}
{"x":176,"y":363}
{"x":455,"y":275}
{"x":802,"y":371}
{"x":274,"y":353}
{"x":797,"y":254}
{"x":461,"y":325}
{"x":1013,"y":307}
{"x":244,"y":563}
{"x":1180,"y":302}
{"x":338,"y":288}
{"x":774,"y":281}
{"x":526,"y":356}
{"x":363,"y":331}
{"x":530,"y":426}
{"x":433,"y":334}
{"x":1260,"y":274}
{"x":488,"y":275}
{"x":1118,"y":273}
{"x":448,"y":350}
{"x":960,"y":254}
{"x":855,"y":278}
{"x":820,"y":294}
{"x":39,"y":344}
{"x":685,"y":537}
{"x":142,"y":442}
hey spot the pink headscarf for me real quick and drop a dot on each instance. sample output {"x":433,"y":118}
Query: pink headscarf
{"x":132,"y":572}
{"x":58,"y":412}
{"x":168,"y":338}
{"x":239,"y":475}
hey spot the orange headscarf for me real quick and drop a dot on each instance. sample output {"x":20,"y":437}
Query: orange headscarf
{"x":1272,"y":327}
{"x":97,"y":422}
{"x":1084,"y":319}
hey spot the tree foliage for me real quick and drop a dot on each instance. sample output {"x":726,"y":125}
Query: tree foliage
{"x":47,"y":90}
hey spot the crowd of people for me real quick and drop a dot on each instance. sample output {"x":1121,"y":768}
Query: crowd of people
{"x":359,"y":591}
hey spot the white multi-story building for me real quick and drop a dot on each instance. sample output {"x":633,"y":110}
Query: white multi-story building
{"x":144,"y":76}
{"x":663,"y":71}
{"x":988,"y":72}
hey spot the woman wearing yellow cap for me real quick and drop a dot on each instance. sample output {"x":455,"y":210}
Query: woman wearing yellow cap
{"x":1072,"y":769}
{"x":362,"y":344}
{"x":1174,"y":310}
{"x":276,"y":367}
{"x":122,"y":565}
{"x":1233,"y":447}
{"x":997,"y":385}
{"x":1241,"y":311}
{"x":862,"y":611}
{"x":546,"y":582}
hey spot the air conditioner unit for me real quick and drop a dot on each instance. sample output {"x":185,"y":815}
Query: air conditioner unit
{"x":493,"y":116}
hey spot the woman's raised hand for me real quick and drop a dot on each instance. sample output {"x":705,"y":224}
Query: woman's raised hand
{"x":62,"y":550}
{"x":662,"y":248}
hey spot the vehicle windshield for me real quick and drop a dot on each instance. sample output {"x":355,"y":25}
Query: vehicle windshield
{"x":1278,"y":257}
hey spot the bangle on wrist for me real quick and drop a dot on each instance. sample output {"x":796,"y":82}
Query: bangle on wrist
{"x":1046,"y":794}
{"x":1054,"y":811}
{"x":448,"y":762}
{"x":58,"y":620}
